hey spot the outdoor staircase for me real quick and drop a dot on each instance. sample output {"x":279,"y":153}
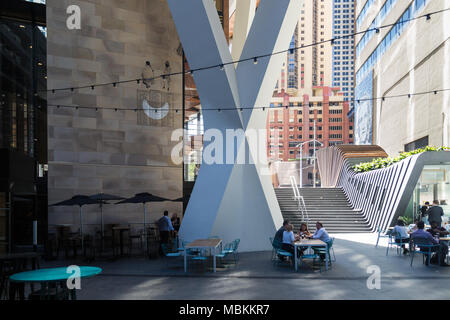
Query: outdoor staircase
{"x":327,"y":205}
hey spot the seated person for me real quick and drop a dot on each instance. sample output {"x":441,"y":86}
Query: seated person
{"x":288,"y":239}
{"x":304,"y":232}
{"x":436,"y":229}
{"x":422,"y":234}
{"x":401,"y":234}
{"x":413,"y":227}
{"x":320,"y":234}
{"x":279,"y":236}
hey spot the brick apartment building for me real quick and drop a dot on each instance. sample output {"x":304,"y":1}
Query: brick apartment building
{"x":287,"y":127}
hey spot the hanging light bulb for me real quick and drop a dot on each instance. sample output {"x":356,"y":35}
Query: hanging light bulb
{"x":221,"y":67}
{"x":255,"y":60}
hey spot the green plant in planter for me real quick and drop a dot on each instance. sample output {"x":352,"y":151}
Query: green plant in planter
{"x":407,"y":220}
{"x":386,"y":162}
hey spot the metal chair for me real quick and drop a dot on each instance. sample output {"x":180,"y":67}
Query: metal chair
{"x":328,"y":250}
{"x":385,"y":235}
{"x":426,"y":249}
{"x":170,"y":254}
{"x":392,"y":242}
{"x":277,"y":245}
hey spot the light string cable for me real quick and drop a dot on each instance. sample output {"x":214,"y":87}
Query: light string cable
{"x":254,"y":58}
{"x":241,"y":108}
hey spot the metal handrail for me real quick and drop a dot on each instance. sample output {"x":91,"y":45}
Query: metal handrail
{"x":300,"y":201}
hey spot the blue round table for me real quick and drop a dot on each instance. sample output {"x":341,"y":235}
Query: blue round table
{"x":46,"y":276}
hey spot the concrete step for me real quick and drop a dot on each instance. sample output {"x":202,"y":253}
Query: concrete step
{"x":327,"y":205}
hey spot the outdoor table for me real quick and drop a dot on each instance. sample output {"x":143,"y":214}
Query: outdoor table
{"x":19,"y":261}
{"x":211,"y":244}
{"x":121,"y":232}
{"x":52,"y":275}
{"x":310,"y":243}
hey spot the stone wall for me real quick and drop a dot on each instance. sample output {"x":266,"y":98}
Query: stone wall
{"x":117,"y":152}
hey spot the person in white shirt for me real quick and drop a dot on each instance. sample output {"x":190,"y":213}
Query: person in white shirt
{"x":321,"y":233}
{"x":288,"y":239}
{"x":401,"y":234}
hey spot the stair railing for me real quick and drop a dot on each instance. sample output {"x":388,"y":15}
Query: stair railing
{"x":300,"y":201}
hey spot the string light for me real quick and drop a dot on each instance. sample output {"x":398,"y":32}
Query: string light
{"x":221,"y":67}
{"x":299,"y":104}
{"x":255,"y":59}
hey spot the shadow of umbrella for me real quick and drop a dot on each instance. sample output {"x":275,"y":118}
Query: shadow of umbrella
{"x":144,"y":198}
{"x":78,"y":200}
{"x":101,"y":198}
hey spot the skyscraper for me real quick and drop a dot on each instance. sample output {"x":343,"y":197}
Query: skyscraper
{"x":312,"y":65}
{"x":343,"y":24}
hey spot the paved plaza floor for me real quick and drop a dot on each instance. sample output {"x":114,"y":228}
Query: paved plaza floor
{"x":256,"y":277}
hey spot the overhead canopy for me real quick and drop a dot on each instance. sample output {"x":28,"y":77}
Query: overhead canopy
{"x":332,"y":159}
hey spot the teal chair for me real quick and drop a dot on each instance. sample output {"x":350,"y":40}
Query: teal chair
{"x":227,"y":251}
{"x":393,"y":243}
{"x":274,"y":251}
{"x":171,"y":255}
{"x":329,"y":250}
{"x":314,"y":256}
{"x":381,"y":234}
{"x":277,"y":246}
{"x":201,"y":257}
{"x":425,"y":248}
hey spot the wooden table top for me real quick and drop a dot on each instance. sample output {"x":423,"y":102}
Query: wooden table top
{"x":204,"y":243}
{"x":310,"y":242}
{"x":20,"y":255}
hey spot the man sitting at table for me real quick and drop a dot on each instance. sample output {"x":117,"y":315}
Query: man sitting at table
{"x":279,"y":236}
{"x":424,"y":235}
{"x":435,"y":229}
{"x":320,"y":234}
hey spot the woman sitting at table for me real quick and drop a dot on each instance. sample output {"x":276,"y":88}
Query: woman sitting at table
{"x":401,"y":234}
{"x":304,"y":232}
{"x":288,"y":239}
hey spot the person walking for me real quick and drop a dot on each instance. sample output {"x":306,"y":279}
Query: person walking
{"x":435,"y":213}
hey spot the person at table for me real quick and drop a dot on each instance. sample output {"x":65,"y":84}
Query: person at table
{"x":435,"y":213}
{"x":428,"y":238}
{"x":288,"y":239}
{"x":304,"y":232}
{"x":321,"y":233}
{"x":413,"y":226}
{"x":401,"y":234}
{"x":423,"y":210}
{"x":279,"y":236}
{"x":165,"y":227}
{"x":437,"y":230}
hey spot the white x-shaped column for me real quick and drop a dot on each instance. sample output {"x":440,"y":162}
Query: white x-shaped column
{"x":235,"y":201}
